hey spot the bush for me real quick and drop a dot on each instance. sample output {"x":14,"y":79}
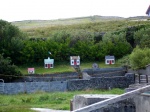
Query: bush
{"x":139,"y":58}
{"x":8,"y":71}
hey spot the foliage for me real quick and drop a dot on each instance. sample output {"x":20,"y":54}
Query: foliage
{"x":116,"y":44}
{"x":10,"y":40}
{"x":53,"y":100}
{"x":142,"y":37}
{"x":8,"y":71}
{"x":91,"y":41}
{"x":125,"y":61}
{"x":139,"y":58}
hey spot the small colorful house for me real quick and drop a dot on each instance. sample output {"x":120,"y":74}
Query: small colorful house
{"x":148,"y":11}
{"x":74,"y":60}
{"x":31,"y":71}
{"x":109,"y":60}
{"x":48,"y":63}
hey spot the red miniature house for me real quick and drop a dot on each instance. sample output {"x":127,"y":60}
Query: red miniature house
{"x":109,"y":60}
{"x":31,"y":71}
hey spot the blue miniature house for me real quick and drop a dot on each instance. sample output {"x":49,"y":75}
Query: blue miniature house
{"x":48,"y":63}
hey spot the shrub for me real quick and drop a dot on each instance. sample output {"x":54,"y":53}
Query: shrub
{"x":139,"y":58}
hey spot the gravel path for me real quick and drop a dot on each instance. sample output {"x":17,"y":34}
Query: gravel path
{"x":48,"y":110}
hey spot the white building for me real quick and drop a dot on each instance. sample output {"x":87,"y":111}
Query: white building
{"x":74,"y":60}
{"x":109,"y":60}
{"x":48,"y":63}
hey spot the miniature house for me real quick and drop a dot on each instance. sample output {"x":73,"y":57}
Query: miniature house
{"x":109,"y":60}
{"x":148,"y":11}
{"x":74,"y":60}
{"x":48,"y":63}
{"x":31,"y":71}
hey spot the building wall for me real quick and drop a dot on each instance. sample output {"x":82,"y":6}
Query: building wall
{"x":80,"y":101}
{"x":142,"y":103}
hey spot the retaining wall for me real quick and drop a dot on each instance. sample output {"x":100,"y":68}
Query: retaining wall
{"x":106,"y":72}
{"x":70,"y":85}
{"x":48,"y":77}
{"x":101,"y":83}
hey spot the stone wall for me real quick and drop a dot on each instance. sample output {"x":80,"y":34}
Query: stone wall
{"x":101,"y":83}
{"x":106,"y":72}
{"x":48,"y":77}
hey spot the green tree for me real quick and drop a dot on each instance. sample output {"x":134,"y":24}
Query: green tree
{"x":142,"y":37}
{"x":116,"y":44}
{"x":139,"y":58}
{"x":8,"y":71}
{"x":11,"y":41}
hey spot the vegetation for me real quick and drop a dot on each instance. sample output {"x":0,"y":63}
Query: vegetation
{"x":91,"y":38}
{"x":63,"y":67}
{"x":8,"y":71}
{"x":56,"y":100}
{"x":139,"y":58}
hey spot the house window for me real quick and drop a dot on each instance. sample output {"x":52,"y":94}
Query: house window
{"x":45,"y":65}
{"x":107,"y":61}
{"x":112,"y":61}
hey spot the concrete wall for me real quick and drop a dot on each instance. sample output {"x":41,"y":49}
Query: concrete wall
{"x":81,"y":101}
{"x":148,"y":69}
{"x":142,"y":102}
{"x":29,"y":87}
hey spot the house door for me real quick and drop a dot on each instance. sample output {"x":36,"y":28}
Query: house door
{"x":48,"y":65}
{"x":110,"y":62}
{"x":75,"y":62}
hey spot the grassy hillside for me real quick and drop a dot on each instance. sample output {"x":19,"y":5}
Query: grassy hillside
{"x":92,"y":24}
{"x":27,"y":24}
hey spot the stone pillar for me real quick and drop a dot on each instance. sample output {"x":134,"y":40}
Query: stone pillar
{"x":148,"y":69}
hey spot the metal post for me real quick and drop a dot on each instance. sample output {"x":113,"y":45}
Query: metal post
{"x":139,"y":79}
{"x":146,"y":78}
{"x":71,"y":105}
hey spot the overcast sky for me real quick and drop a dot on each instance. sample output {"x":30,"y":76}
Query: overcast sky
{"x":17,"y":10}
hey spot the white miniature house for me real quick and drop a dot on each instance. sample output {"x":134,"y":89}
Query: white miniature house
{"x":31,"y":71}
{"x":109,"y":60}
{"x":48,"y":63}
{"x":74,"y":60}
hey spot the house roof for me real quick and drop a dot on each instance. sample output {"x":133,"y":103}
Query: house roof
{"x":74,"y":57}
{"x":48,"y":61}
{"x":148,"y":10}
{"x":109,"y":57}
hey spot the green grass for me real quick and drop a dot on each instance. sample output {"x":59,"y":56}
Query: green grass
{"x":53,"y":100}
{"x":61,"y":68}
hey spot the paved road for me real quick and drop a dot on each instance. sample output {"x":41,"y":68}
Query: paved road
{"x":48,"y":110}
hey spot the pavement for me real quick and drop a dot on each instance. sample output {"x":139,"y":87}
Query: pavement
{"x":48,"y":110}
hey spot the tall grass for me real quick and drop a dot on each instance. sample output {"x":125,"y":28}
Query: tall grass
{"x":53,"y":100}
{"x":63,"y":67}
